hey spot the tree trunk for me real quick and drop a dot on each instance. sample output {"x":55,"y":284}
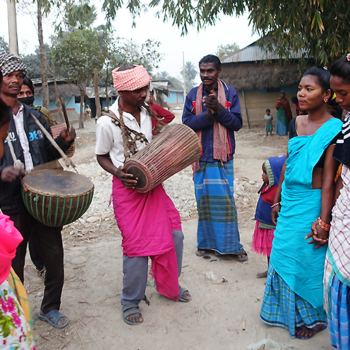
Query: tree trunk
{"x":57,"y":101}
{"x":81,"y":117}
{"x":44,"y":82}
{"x":97,"y":96}
{"x":12,"y":23}
{"x":107,"y":100}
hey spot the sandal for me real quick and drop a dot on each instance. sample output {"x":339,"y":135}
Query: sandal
{"x":239,"y":258}
{"x":52,"y":318}
{"x":182,"y":291}
{"x":131,"y":312}
{"x":316,"y":329}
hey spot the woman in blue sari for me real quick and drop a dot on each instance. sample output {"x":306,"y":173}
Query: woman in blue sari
{"x":293,"y":296}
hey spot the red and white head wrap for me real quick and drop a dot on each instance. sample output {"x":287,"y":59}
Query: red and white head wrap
{"x":131,"y":79}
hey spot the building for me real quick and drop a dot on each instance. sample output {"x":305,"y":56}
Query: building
{"x":259,"y":77}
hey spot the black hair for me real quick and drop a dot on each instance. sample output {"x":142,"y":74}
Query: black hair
{"x":211,"y":59}
{"x":125,"y":67}
{"x":341,"y":69}
{"x":295,"y":100}
{"x":268,"y":110}
{"x":5,"y":110}
{"x":29,"y":83}
{"x":323,"y":76}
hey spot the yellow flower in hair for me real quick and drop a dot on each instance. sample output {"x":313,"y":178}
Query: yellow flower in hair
{"x":334,"y":96}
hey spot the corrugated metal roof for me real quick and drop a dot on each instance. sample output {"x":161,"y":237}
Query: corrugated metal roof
{"x":253,"y":53}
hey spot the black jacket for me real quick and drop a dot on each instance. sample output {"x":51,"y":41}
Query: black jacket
{"x":40,"y":149}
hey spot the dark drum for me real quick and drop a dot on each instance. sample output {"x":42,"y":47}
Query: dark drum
{"x":56,"y":197}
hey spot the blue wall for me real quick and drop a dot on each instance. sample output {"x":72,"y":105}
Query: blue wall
{"x":69,"y":102}
{"x":173,"y":98}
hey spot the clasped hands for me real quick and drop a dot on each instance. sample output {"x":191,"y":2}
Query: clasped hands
{"x":211,"y":102}
{"x":318,"y":234}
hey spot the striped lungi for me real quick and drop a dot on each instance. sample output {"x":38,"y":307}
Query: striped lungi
{"x":217,"y":222}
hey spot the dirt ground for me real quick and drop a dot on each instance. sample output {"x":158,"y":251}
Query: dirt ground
{"x":220,"y":315}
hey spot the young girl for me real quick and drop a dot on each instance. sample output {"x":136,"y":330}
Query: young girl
{"x":264,"y":227}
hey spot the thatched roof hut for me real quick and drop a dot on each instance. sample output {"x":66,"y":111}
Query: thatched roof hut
{"x":259,"y":76}
{"x":65,"y":89}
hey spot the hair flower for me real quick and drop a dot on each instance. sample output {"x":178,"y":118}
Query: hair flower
{"x":348,"y":57}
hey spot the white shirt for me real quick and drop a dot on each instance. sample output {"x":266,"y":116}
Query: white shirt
{"x":23,"y":139}
{"x":109,"y":136}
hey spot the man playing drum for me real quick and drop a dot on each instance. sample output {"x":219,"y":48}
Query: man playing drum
{"x":32,"y":148}
{"x":213,"y":111}
{"x":149,"y":222}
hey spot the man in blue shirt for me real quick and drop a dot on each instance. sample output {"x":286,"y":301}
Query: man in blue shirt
{"x":212,"y":110}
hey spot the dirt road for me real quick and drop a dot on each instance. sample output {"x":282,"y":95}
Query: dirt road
{"x":218,"y":312}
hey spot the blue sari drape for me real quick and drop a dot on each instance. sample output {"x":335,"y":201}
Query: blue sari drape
{"x":298,"y":263}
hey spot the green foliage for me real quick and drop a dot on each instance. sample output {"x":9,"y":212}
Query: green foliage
{"x":129,"y":52}
{"x":78,"y":53}
{"x":316,"y":28}
{"x":4,"y":46}
{"x":225,"y":50}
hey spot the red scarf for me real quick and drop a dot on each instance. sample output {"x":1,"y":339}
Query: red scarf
{"x":221,"y":146}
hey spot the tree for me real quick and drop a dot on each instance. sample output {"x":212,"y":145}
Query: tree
{"x":4,"y":46}
{"x":225,"y":50}
{"x":78,"y":54}
{"x":80,"y":16}
{"x":190,"y":74}
{"x":317,"y":29}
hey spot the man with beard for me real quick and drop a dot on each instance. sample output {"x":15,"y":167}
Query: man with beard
{"x":32,"y":148}
{"x":212,"y":110}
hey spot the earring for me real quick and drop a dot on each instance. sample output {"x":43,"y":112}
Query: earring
{"x":325,"y":100}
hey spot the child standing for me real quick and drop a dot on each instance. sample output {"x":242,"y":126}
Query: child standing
{"x":264,"y":227}
{"x":268,"y":122}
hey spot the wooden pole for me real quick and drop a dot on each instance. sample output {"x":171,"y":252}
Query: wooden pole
{"x":12,"y":24}
{"x":97,"y":96}
{"x":184,"y":75}
{"x":246,"y":110}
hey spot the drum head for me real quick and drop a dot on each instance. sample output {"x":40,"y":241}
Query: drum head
{"x":139,"y":174}
{"x":57,"y":182}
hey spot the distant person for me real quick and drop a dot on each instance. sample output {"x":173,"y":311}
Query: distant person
{"x":268,"y":122}
{"x":163,"y":114}
{"x":296,"y":105}
{"x":26,"y":96}
{"x":88,"y":112}
{"x":284,"y":114}
{"x":212,"y":110}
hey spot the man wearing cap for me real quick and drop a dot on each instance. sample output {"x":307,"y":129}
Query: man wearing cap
{"x":32,"y":148}
{"x":149,"y":222}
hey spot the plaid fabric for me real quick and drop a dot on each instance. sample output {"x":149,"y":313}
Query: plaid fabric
{"x":283,"y":308}
{"x":217,"y":223}
{"x":131,"y":79}
{"x":339,"y":318}
{"x":11,"y":63}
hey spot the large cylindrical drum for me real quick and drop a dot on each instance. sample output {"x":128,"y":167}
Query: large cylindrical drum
{"x":169,"y":152}
{"x":56,"y":197}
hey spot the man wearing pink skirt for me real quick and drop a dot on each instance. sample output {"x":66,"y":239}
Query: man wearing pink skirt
{"x":149,"y":222}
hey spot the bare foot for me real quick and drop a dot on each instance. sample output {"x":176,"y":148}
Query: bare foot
{"x":134,"y":318}
{"x":262,"y":274}
{"x":61,"y":321}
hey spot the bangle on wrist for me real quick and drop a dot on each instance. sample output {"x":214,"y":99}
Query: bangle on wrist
{"x":275,"y":205}
{"x":323,"y":225}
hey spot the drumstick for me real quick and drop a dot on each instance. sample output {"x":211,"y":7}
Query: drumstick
{"x":65,"y":113}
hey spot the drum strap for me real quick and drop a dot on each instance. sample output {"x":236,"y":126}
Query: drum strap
{"x":131,"y":145}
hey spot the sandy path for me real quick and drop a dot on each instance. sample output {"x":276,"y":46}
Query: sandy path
{"x":212,"y":320}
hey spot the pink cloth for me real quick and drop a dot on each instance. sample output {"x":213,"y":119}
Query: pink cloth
{"x":221,"y":141}
{"x":131,"y":79}
{"x":146,"y":221}
{"x":10,"y":238}
{"x":262,"y":240}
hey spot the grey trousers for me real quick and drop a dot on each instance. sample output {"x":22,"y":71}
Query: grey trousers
{"x":136,"y":272}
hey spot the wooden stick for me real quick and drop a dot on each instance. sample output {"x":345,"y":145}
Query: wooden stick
{"x":44,"y":337}
{"x":65,"y":113}
{"x":79,"y":334}
{"x":64,"y":345}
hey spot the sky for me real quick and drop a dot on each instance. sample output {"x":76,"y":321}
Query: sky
{"x":195,"y":44}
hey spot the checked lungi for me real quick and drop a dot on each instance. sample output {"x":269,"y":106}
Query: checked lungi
{"x":217,"y":223}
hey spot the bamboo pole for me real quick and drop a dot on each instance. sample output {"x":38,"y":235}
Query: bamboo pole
{"x":12,"y":24}
{"x":246,"y":109}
